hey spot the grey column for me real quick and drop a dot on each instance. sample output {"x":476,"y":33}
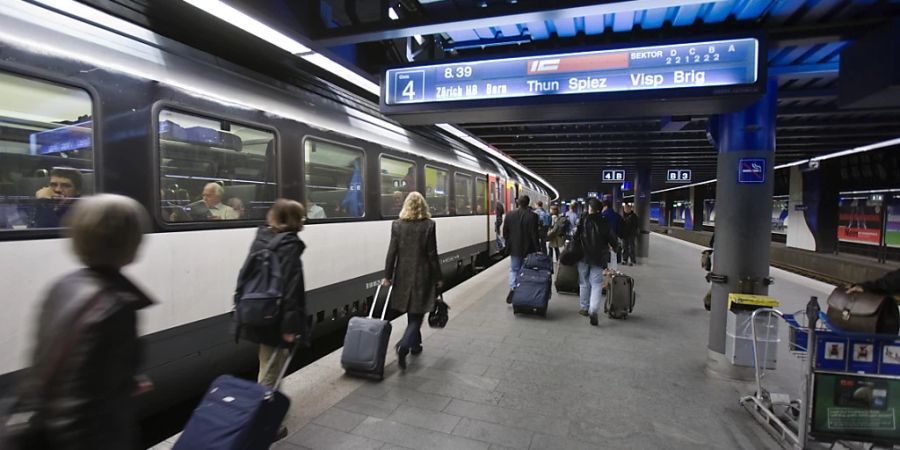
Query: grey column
{"x":642,"y":190}
{"x":746,"y":140}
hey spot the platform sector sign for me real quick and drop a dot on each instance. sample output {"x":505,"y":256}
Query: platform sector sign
{"x":696,"y":64}
{"x":678,"y":175}
{"x":613,"y":175}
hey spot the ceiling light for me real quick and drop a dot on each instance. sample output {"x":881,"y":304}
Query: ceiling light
{"x":392,"y":13}
{"x":250,"y":25}
{"x":342,"y":72}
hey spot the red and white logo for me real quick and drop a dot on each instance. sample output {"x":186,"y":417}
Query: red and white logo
{"x":543,"y":65}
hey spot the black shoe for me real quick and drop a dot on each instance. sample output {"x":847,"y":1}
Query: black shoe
{"x":509,"y":297}
{"x":583,"y":312}
{"x":401,"y":356}
{"x":594,"y":320}
{"x":415,"y":350}
{"x":282,"y":433}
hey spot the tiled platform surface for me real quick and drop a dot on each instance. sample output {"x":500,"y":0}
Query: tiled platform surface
{"x":491,"y":380}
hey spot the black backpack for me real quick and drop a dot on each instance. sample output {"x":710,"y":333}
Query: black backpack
{"x":260,"y":287}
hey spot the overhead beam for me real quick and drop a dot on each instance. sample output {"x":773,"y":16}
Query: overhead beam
{"x":805,"y":70}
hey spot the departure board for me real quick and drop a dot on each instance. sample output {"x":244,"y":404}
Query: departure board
{"x":684,"y":65}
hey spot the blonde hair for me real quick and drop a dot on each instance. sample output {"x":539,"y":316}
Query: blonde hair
{"x":414,"y":207}
{"x":286,"y":216}
{"x":106,"y":230}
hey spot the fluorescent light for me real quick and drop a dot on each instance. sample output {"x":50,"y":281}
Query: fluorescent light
{"x":250,"y":25}
{"x":392,"y":13}
{"x":792,"y":164}
{"x":864,"y":148}
{"x":342,"y":72}
{"x":871,"y":191}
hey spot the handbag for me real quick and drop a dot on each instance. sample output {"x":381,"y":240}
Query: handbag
{"x":439,"y":314}
{"x":863,"y":312}
{"x":572,"y":253}
{"x":706,"y":260}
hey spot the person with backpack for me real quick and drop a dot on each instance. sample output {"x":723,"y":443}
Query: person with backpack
{"x":270,"y":299}
{"x":544,"y":222}
{"x":559,"y":229}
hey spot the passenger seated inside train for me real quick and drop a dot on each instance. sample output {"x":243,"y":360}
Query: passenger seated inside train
{"x":210,"y":207}
{"x":314,"y":211}
{"x":55,"y":199}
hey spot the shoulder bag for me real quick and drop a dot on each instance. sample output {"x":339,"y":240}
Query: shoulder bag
{"x":863,"y":312}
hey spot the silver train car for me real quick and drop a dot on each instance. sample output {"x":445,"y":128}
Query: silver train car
{"x":139,"y":115}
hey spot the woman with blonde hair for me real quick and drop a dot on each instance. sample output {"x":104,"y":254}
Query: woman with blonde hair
{"x":412,"y":266}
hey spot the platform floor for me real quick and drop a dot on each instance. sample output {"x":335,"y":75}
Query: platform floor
{"x":492,"y":380}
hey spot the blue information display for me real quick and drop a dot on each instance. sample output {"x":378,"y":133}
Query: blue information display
{"x":699,"y":64}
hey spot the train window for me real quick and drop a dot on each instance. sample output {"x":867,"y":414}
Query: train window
{"x":335,"y":180}
{"x":398,"y":178}
{"x":436,"y":187}
{"x":46,"y":151}
{"x":481,"y":196}
{"x":212,"y":169}
{"x":463,"y":193}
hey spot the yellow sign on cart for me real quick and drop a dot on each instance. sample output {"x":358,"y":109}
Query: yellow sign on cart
{"x":763,"y":301}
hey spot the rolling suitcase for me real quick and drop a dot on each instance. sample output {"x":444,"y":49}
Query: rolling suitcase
{"x":366,"y":342}
{"x":538,"y":261}
{"x":619,"y":296}
{"x":237,"y":414}
{"x":532,"y":292}
{"x":567,"y":279}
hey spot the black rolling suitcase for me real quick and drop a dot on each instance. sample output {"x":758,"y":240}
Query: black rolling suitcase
{"x":567,"y":279}
{"x":366,"y":342}
{"x":619,"y":296}
{"x":237,"y":414}
{"x":532,"y":291}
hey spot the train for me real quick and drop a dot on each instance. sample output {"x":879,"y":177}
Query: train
{"x":140,"y":115}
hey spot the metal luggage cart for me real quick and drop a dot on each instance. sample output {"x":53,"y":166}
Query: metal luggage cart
{"x":793,"y":422}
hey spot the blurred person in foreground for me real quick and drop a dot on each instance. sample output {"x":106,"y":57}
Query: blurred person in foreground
{"x":83,"y":377}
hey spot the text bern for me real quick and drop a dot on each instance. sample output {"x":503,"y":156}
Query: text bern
{"x":678,"y":77}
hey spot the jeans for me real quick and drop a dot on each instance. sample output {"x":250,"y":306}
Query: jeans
{"x":613,"y":263}
{"x":412,"y":337}
{"x":554,"y":250}
{"x":628,"y":250}
{"x":515,"y":264}
{"x":268,"y":375}
{"x":590,"y":280}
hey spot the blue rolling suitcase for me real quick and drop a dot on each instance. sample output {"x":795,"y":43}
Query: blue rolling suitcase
{"x":538,"y":261}
{"x":237,"y":414}
{"x":532,"y":292}
{"x":366,"y":342}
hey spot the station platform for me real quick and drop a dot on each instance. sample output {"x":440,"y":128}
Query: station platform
{"x":492,"y":380}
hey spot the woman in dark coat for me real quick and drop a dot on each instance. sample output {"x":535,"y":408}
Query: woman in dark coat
{"x":83,"y":377}
{"x":412,"y":264}
{"x":286,"y":218}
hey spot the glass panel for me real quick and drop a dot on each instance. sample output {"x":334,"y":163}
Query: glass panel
{"x":398,"y":178}
{"x":480,"y":196}
{"x":214,"y":170}
{"x":436,"y":186}
{"x":335,"y":180}
{"x":46,"y":151}
{"x":463,"y":194}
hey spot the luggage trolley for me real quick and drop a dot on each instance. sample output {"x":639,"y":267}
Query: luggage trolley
{"x":850,"y":389}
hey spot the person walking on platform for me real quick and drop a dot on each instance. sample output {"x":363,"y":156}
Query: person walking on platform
{"x":284,"y":220}
{"x":83,"y":378}
{"x":520,"y":229}
{"x":596,"y":238}
{"x":615,"y":221}
{"x":412,"y":263}
{"x":498,"y":222}
{"x":889,"y":284}
{"x":556,"y":236}
{"x":572,"y":216}
{"x":630,"y":230}
{"x":544,"y":222}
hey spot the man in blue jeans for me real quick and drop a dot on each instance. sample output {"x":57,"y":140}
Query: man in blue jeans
{"x":520,"y":230}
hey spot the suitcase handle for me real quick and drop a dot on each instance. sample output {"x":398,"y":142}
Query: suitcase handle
{"x":287,"y":362}
{"x":386,"y":301}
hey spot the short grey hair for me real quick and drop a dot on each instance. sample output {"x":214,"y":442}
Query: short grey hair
{"x":220,"y":191}
{"x":106,"y":230}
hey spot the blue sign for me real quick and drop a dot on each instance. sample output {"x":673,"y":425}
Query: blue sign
{"x":691,"y":65}
{"x":626,"y":186}
{"x":613,"y":175}
{"x":752,"y":170}
{"x":678,"y":176}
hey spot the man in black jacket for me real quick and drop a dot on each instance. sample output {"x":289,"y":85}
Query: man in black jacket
{"x":889,"y":284}
{"x":629,"y":231}
{"x":520,"y":230}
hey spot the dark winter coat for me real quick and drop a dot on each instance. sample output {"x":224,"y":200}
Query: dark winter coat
{"x":889,"y":284}
{"x":629,"y":225}
{"x":596,"y":238}
{"x":293,"y":305}
{"x":520,"y":230}
{"x":412,"y":263}
{"x":88,"y":402}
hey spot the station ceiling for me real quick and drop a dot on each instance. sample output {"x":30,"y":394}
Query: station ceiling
{"x":805,"y":38}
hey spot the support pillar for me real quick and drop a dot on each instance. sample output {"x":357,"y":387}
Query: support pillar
{"x":812,"y":221}
{"x":696,"y":211}
{"x":617,"y":199}
{"x":642,"y":190}
{"x":746,"y":142}
{"x":664,"y":210}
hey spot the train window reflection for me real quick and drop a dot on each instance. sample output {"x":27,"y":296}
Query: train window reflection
{"x":436,"y":187}
{"x":398,"y":178}
{"x":462,"y":193}
{"x":335,"y":180}
{"x":213,"y":169}
{"x":46,"y":151}
{"x":481,"y":196}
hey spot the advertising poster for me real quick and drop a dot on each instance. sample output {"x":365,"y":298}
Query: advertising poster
{"x":853,"y":406}
{"x":892,"y":231}
{"x":859,"y":220}
{"x":709,"y":212}
{"x":779,"y":215}
{"x":654,"y":211}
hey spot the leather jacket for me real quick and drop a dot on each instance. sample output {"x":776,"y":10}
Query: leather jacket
{"x":82,"y":382}
{"x":596,"y":239}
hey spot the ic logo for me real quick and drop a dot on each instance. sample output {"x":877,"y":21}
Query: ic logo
{"x":543,"y":65}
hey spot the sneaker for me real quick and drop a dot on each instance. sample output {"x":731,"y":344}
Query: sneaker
{"x":594,"y":320}
{"x":415,"y":350}
{"x":583,"y":312}
{"x":401,"y":356}
{"x":509,"y":297}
